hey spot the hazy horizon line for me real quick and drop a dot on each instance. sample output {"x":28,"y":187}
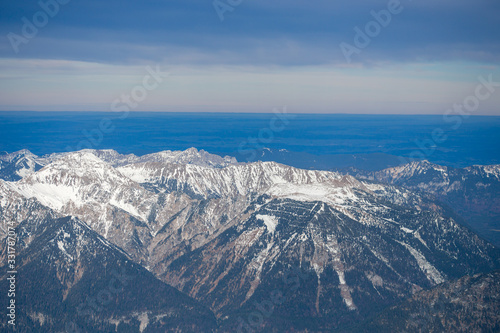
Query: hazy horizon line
{"x":243,"y":113}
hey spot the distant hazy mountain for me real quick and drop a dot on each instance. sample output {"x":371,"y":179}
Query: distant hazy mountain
{"x":234,"y":236}
{"x":473,"y":192}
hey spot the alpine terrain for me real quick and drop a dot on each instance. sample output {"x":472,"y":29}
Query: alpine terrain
{"x":473,"y":192}
{"x":187,"y":241}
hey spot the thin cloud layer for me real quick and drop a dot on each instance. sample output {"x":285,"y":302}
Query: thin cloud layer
{"x":259,"y":32}
{"x":274,"y":37}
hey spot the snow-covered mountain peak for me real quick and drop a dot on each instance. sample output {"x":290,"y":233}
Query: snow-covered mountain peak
{"x":19,"y":164}
{"x":16,"y":155}
{"x":83,"y":165}
{"x":189,"y":156}
{"x":313,"y":192}
{"x":419,"y":167}
{"x":85,"y":156}
{"x":485,"y":170}
{"x":80,"y":181}
{"x":423,"y":168}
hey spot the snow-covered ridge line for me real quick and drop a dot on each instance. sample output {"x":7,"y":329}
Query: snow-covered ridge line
{"x":8,"y":157}
{"x":17,"y":165}
{"x":188,"y":156}
{"x":139,"y":198}
{"x":428,"y":174}
{"x":241,"y":179}
{"x":78,"y":177}
{"x":103,"y":182}
{"x":82,"y":181}
{"x":192,"y":156}
{"x":130,"y":183}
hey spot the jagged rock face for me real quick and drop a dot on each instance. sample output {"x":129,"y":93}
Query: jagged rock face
{"x":86,"y":184}
{"x":218,"y":198}
{"x":357,"y":259}
{"x":145,"y":205}
{"x":473,"y":192}
{"x":470,"y":304}
{"x":233,"y":180}
{"x":82,"y":185}
{"x":15,"y":209}
{"x":91,"y":285}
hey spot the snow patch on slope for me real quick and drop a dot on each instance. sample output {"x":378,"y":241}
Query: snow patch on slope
{"x":430,"y":271}
{"x":314,"y":192}
{"x":270,"y":221}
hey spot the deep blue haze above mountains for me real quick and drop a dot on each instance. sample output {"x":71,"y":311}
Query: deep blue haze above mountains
{"x":473,"y":140}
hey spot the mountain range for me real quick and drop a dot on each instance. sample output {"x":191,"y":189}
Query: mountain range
{"x":220,"y":245}
{"x":473,"y":192}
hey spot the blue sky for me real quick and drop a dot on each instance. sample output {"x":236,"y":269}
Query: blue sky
{"x":263,"y":54}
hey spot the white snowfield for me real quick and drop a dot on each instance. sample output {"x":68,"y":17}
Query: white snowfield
{"x":270,"y":221}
